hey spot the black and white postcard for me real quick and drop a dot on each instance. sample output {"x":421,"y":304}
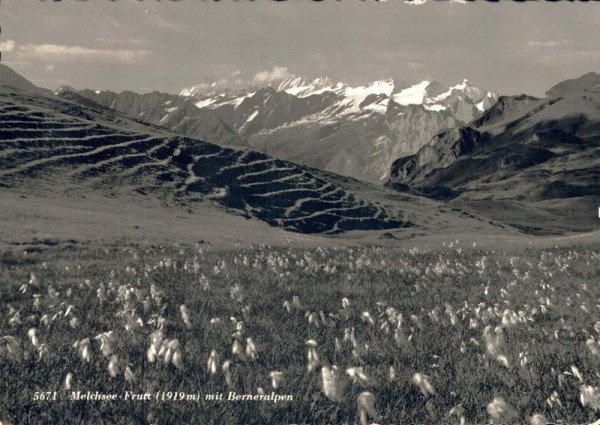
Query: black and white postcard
{"x":313,"y":212}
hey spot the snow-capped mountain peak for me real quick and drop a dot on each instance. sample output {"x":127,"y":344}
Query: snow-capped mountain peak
{"x":296,"y":82}
{"x":205,"y":88}
{"x":385,"y":87}
{"x":300,"y":87}
{"x":413,"y":95}
{"x":464,"y":88}
{"x":438,"y":99}
{"x":374,"y":97}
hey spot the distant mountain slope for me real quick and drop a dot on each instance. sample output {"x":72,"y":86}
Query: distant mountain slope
{"x":169,"y":111}
{"x":353,"y":131}
{"x":587,"y":82}
{"x":530,"y":151}
{"x":10,"y":78}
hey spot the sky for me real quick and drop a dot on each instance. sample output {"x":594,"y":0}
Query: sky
{"x":146,"y":45}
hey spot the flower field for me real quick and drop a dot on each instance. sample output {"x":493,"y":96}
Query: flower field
{"x":342,"y":335}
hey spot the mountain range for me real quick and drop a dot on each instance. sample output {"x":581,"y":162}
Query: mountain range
{"x":69,"y":146}
{"x":352,"y":131}
{"x":492,"y":165}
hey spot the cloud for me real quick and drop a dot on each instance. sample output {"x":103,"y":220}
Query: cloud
{"x":415,"y":65}
{"x":112,"y":41}
{"x":574,"y":57}
{"x":275,"y":74}
{"x":49,"y":68}
{"x":170,"y":25}
{"x":544,"y":43}
{"x":7,"y":46}
{"x":57,"y":52}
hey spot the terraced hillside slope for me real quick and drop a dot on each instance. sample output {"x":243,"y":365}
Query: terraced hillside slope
{"x":59,"y":142}
{"x":532,"y":162}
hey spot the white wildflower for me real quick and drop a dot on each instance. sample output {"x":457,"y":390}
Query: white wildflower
{"x":503,"y":360}
{"x":251,"y":349}
{"x":213,"y":360}
{"x":237,"y":349}
{"x":576,"y":373}
{"x":392,"y":373}
{"x":459,"y":412}
{"x":538,"y":419}
{"x":366,"y":316}
{"x":107,"y":340}
{"x":276,"y":379}
{"x":129,"y":377}
{"x":69,"y":381}
{"x":331,"y":384}
{"x":177,"y":360}
{"x":113,"y":366}
{"x":424,"y":383}
{"x":156,"y":339}
{"x":32,"y":334}
{"x":185,"y":315}
{"x":501,"y":412}
{"x":227,"y":372}
{"x":85,"y":351}
{"x":358,"y":376}
{"x":312,"y":356}
{"x":589,"y":396}
{"x":366,"y":407}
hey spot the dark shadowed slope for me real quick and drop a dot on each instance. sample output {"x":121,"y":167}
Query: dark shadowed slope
{"x":532,"y":162}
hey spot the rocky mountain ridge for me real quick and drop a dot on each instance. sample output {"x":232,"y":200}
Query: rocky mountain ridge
{"x":353,"y":131}
{"x":531,"y":155}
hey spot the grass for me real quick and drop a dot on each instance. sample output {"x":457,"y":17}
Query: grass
{"x":442,"y":336}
